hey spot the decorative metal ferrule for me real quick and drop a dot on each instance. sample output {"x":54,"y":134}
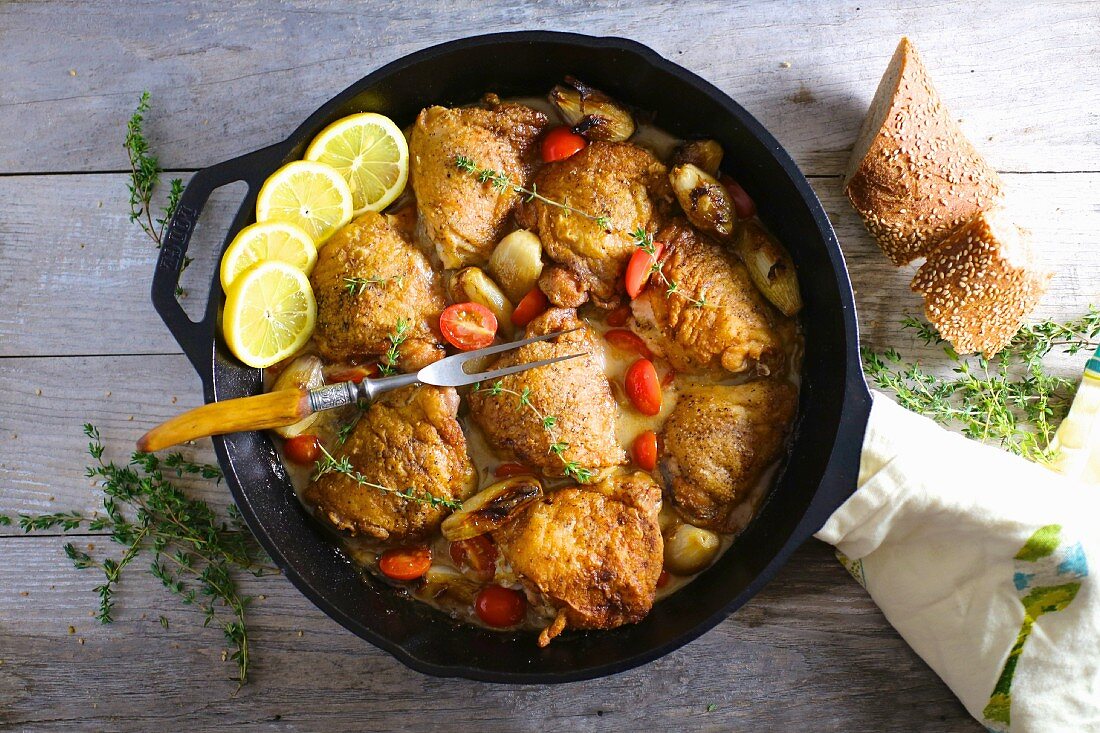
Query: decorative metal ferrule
{"x":332,"y":396}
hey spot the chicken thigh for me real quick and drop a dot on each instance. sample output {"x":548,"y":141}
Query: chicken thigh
{"x":408,"y":439}
{"x":619,"y":181}
{"x":717,"y":442}
{"x":368,"y":281}
{"x":734,"y":329}
{"x":575,"y":392}
{"x":592,"y":553}
{"x":461,"y":216}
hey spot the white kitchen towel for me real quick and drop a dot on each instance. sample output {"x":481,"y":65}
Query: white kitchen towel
{"x":987,"y":564}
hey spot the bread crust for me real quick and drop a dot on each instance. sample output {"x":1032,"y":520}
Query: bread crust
{"x":913,"y":175}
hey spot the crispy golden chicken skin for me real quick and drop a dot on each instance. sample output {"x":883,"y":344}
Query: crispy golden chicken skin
{"x":593,"y":552}
{"x":576,"y":392}
{"x":462,"y":217}
{"x":620,"y":181}
{"x":717,"y":441}
{"x":735,"y":330}
{"x":367,"y":280}
{"x":409,"y":438}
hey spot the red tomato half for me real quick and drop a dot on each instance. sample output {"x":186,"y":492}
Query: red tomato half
{"x":530,"y":307}
{"x":640,"y":268}
{"x":619,"y":316}
{"x":506,"y":470}
{"x":405,"y":563}
{"x":743,"y":204}
{"x":499,"y":606}
{"x":303,"y":449}
{"x":479,"y":554}
{"x":644,"y":450}
{"x":561,"y":143}
{"x":626,"y":340}
{"x":643,"y":388}
{"x":468,"y":325}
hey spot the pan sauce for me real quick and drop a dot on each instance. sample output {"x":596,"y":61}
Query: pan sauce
{"x":457,"y":602}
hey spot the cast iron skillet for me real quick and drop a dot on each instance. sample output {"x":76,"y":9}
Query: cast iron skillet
{"x":817,"y":476}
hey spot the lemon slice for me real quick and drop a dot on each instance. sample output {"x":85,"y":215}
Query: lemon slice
{"x":271,"y":240}
{"x":371,"y":154}
{"x":269,"y":313}
{"x":312,"y":195}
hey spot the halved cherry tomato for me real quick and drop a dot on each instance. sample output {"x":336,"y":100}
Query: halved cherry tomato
{"x":468,"y":325}
{"x":644,"y":450}
{"x":640,"y":268}
{"x":561,"y":143}
{"x":662,"y":579}
{"x":303,"y":449}
{"x":626,"y":340}
{"x":499,"y":606}
{"x":619,"y":316}
{"x":405,"y":563}
{"x":352,"y":374}
{"x":643,"y":388}
{"x":479,"y":554}
{"x":505,"y":470}
{"x":530,"y":307}
{"x":743,"y":204}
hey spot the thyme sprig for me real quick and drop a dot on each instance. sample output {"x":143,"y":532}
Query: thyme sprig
{"x":571,"y":468}
{"x":358,"y":285}
{"x":330,"y":464}
{"x":644,"y":241}
{"x":1011,"y":400}
{"x":501,"y":182}
{"x":398,"y":336}
{"x":195,"y":554}
{"x":145,"y":173}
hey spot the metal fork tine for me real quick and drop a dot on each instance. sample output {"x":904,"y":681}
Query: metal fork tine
{"x":467,"y":355}
{"x":450,"y":372}
{"x":498,"y":373}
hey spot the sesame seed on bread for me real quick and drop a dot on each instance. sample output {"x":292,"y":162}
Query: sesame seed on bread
{"x":980,"y":283}
{"x":913,"y":176}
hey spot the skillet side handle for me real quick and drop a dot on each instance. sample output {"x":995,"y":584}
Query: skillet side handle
{"x":196,"y":337}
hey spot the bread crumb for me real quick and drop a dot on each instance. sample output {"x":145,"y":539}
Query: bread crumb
{"x":72,"y":72}
{"x":72,"y":629}
{"x":301,"y":633}
{"x":174,"y":398}
{"x":108,"y":394}
{"x":81,"y":640}
{"x":38,"y":392}
{"x":24,"y":593}
{"x":785,"y":65}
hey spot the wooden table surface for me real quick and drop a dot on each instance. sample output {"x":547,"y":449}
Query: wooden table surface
{"x":80,"y":342}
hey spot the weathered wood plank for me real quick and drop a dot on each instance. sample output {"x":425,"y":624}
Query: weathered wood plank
{"x":227,"y":80}
{"x":811,"y":647}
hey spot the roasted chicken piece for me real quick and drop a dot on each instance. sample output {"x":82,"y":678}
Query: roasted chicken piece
{"x":716,"y":318}
{"x":717,"y":442}
{"x":461,"y":216}
{"x":575,"y":392}
{"x":593,"y":553}
{"x":408,"y":439}
{"x":371,"y":284}
{"x":619,"y":181}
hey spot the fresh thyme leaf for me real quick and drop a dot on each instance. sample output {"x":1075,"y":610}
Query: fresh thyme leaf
{"x":558,"y":448}
{"x":5,"y":520}
{"x":145,"y":173}
{"x":330,"y":464}
{"x":194,"y":552}
{"x":644,"y":241}
{"x":398,"y":336}
{"x":359,"y":285}
{"x":1010,"y":400}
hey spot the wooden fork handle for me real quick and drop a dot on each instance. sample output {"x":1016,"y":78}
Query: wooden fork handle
{"x":271,"y":410}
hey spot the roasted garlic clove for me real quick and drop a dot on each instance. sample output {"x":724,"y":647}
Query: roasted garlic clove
{"x":491,"y":508}
{"x":689,"y":549}
{"x":473,"y":285}
{"x":770,"y":267}
{"x":706,"y":202}
{"x":516,"y":263}
{"x":303,"y":373}
{"x":707,"y":154}
{"x":592,"y":113}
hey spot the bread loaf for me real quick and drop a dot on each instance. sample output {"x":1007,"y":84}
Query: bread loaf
{"x":913,"y":176}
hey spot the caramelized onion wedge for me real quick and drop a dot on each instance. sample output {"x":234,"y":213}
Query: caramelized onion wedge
{"x":441,"y":580}
{"x":706,"y":202}
{"x":770,"y":267}
{"x":707,"y":154}
{"x":303,"y":373}
{"x":689,"y":549}
{"x":491,"y":508}
{"x":516,"y":264}
{"x":472,"y":284}
{"x":592,"y":113}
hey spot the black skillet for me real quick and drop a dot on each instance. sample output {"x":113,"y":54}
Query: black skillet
{"x":817,"y":476}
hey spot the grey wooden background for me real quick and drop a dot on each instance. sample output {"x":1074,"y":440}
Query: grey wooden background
{"x":79,"y":341}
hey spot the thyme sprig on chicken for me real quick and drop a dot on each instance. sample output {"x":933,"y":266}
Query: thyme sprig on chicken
{"x":1011,"y":400}
{"x":502,"y":183}
{"x":330,"y":464}
{"x":399,"y":335}
{"x":195,"y":554}
{"x":359,"y":285}
{"x":571,"y":468}
{"x":644,"y":241}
